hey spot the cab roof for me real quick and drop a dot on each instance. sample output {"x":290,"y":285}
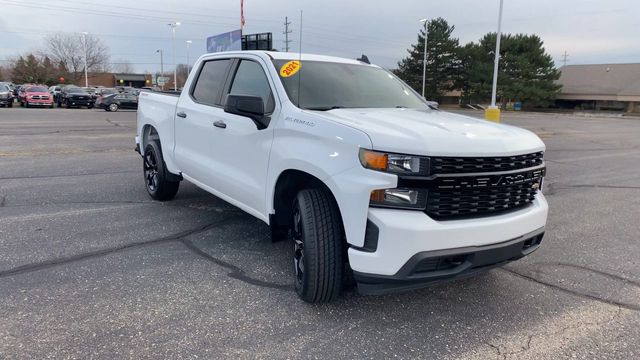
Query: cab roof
{"x":295,"y":56}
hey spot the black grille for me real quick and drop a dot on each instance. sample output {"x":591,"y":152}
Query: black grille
{"x":450,"y":204}
{"x":459,"y":165}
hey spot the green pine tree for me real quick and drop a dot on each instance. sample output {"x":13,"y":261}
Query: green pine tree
{"x":526,"y":72}
{"x":443,"y":63}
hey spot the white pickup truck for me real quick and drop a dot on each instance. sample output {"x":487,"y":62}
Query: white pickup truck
{"x":350,"y":165}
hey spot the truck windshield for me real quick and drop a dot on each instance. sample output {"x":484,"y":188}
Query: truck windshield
{"x":329,"y":85}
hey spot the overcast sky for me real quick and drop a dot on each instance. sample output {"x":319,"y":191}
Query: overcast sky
{"x":590,"y":31}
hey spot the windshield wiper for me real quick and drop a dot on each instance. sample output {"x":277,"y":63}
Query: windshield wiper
{"x":324,"y":108}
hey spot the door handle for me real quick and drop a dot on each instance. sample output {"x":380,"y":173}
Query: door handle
{"x":221,"y":124}
{"x":182,"y":114}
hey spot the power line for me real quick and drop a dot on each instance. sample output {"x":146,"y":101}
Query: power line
{"x":565,"y":56}
{"x":286,"y":33}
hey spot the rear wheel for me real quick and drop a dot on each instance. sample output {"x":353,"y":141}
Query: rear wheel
{"x":26,"y":104}
{"x":156,"y":175}
{"x":317,"y":237}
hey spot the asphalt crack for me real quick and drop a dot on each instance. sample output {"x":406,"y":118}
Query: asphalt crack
{"x":117,"y":124}
{"x":620,"y":304}
{"x":527,"y":346}
{"x":103,"y":252}
{"x":67,"y":175}
{"x":235,"y":271}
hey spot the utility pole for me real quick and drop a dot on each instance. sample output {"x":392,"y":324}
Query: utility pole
{"x":565,"y":56}
{"x":84,"y":47}
{"x":424,"y":61}
{"x":161,"y":69}
{"x":286,"y":33}
{"x":173,"y":27}
{"x":493,"y":112}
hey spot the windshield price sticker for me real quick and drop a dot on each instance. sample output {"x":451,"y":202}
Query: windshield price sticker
{"x":290,"y":68}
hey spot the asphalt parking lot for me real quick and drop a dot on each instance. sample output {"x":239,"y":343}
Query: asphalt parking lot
{"x":90,"y":267}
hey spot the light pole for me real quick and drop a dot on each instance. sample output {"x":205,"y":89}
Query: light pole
{"x":188,"y":63}
{"x":161,"y":69}
{"x":84,"y":48}
{"x":493,"y":112}
{"x":424,"y":62}
{"x":173,"y":27}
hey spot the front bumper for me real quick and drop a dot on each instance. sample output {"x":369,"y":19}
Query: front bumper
{"x":431,"y":267}
{"x":399,"y":236}
{"x":39,"y":102}
{"x":5,"y":101}
{"x":76,"y":102}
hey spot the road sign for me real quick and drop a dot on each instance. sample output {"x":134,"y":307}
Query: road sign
{"x":163,"y":80}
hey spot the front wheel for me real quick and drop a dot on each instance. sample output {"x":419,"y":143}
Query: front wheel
{"x":156,"y":177}
{"x":113,"y":107}
{"x":318,"y":239}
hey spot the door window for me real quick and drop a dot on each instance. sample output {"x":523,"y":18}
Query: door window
{"x":250,"y":79}
{"x":210,"y":82}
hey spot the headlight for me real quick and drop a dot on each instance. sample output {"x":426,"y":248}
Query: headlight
{"x":395,"y":163}
{"x":399,"y":198}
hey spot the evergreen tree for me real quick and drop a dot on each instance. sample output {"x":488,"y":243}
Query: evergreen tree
{"x":443,"y":64}
{"x":526,"y":72}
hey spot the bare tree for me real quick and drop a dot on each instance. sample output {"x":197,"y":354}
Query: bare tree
{"x":123,"y":66}
{"x":67,"y":49}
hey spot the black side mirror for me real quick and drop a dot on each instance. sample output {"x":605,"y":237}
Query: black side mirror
{"x":248,"y":106}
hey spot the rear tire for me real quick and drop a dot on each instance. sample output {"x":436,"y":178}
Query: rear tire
{"x":318,"y":240}
{"x":156,"y":176}
{"x":26,"y":104}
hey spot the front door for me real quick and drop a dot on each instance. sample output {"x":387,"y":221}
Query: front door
{"x":241,"y":151}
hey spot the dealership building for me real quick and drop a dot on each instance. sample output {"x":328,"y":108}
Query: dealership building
{"x":613,"y":87}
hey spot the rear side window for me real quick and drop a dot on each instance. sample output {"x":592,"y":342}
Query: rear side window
{"x":251,"y":80}
{"x":210,"y":82}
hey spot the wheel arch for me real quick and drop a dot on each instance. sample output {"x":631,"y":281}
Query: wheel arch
{"x":287,"y":185}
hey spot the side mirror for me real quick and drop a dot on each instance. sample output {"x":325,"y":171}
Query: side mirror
{"x":248,"y":106}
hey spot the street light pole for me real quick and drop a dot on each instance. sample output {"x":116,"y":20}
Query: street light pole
{"x":424,"y":62}
{"x":173,"y":27}
{"x":84,"y":48}
{"x":161,"y":68}
{"x":188,"y":63}
{"x":493,"y":112}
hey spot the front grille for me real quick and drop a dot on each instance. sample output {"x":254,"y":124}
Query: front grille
{"x":451,"y":204}
{"x":460,"y":165}
{"x":469,"y":189}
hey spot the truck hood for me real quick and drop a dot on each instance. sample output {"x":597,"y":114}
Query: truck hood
{"x":431,"y":132}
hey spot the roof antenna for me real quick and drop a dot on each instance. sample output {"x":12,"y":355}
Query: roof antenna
{"x":300,"y":60}
{"x":364,"y":59}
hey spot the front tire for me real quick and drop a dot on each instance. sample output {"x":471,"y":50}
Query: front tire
{"x":156,"y":176}
{"x":113,"y":107}
{"x":317,"y":236}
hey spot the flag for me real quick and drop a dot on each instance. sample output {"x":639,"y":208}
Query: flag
{"x":241,"y":13}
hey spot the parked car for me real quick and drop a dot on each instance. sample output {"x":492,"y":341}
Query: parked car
{"x":102,"y":93}
{"x":351,"y":166}
{"x":37,"y":96}
{"x":6,"y":96}
{"x":74,"y":96}
{"x":21,"y":92}
{"x":55,"y":91}
{"x":114,"y":102}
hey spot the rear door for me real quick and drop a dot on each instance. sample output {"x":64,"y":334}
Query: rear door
{"x":196,"y":113}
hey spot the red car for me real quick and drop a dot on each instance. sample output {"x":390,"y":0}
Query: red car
{"x":37,"y":96}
